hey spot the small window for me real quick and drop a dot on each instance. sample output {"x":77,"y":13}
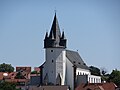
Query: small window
{"x":79,"y":63}
{"x":51,"y":50}
{"x":89,"y":79}
{"x":73,"y":61}
{"x":84,"y":64}
{"x":94,"y":80}
{"x":52,"y":61}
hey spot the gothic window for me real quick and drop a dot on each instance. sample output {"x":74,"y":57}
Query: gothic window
{"x":46,"y":79}
{"x":58,"y":80}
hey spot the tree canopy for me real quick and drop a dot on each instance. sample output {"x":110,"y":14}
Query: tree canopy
{"x":94,"y":70}
{"x":8,"y":86}
{"x":19,"y":76}
{"x":6,"y":68}
{"x":35,"y":72}
{"x":115,"y":77}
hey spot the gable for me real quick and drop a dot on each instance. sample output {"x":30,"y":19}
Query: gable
{"x":76,"y":60}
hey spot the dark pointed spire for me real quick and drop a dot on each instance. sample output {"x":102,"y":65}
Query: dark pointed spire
{"x":63,"y":35}
{"x":55,"y":40}
{"x":55,"y":30}
{"x":46,"y":36}
{"x":52,"y":36}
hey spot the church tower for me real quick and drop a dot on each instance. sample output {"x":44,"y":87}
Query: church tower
{"x":61,"y":66}
{"x":55,"y":39}
{"x":55,"y":56}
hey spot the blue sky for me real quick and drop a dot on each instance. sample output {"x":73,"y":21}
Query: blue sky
{"x":91,"y":26}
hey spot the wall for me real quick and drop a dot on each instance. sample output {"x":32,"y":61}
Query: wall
{"x":80,"y":71}
{"x":48,"y":88}
{"x":54,"y":63}
{"x":94,"y":79}
{"x":69,"y":74}
{"x":81,"y":79}
{"x":88,"y":78}
{"x":35,"y":80}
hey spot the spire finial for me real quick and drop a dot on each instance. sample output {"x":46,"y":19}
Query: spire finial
{"x":63,"y":30}
{"x":55,"y":11}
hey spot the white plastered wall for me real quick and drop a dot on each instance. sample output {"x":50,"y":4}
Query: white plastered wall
{"x":55,"y":63}
{"x":80,"y":71}
{"x":69,"y":74}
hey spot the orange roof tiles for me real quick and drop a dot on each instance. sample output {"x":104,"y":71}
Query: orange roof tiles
{"x":1,"y":75}
{"x":99,"y":86}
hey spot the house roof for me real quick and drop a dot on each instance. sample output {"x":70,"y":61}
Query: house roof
{"x":98,"y":86}
{"x":1,"y":76}
{"x":76,"y":59}
{"x":61,"y":87}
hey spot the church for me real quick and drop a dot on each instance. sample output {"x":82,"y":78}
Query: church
{"x":63,"y":66}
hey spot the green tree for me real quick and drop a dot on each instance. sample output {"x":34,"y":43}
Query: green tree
{"x":7,"y":86}
{"x":35,"y":72}
{"x":6,"y":68}
{"x":19,"y":76}
{"x":105,"y":77}
{"x":115,"y":77}
{"x":103,"y":71}
{"x":94,"y":70}
{"x":104,"y":74}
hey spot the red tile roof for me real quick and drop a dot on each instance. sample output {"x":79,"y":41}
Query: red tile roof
{"x":11,"y":77}
{"x":1,"y":75}
{"x":99,"y":86}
